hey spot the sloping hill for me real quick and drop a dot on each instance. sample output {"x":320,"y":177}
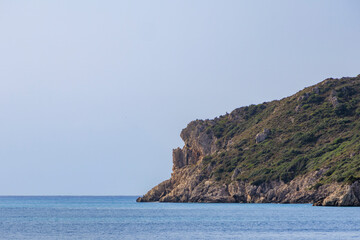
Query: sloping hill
{"x":302,"y":149}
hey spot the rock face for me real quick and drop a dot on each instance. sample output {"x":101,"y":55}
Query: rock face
{"x":262,"y":136}
{"x":190,"y":184}
{"x":221,"y":162}
{"x":333,"y":99}
{"x":198,"y":144}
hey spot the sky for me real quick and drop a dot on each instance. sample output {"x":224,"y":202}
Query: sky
{"x":94,"y":94}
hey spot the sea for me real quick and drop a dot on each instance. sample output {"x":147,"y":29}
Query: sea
{"x":121,"y":217}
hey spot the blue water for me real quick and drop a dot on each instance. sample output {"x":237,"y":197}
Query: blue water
{"x":123,"y":218}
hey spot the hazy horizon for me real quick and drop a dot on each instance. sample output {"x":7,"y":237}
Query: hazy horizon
{"x":94,"y":94}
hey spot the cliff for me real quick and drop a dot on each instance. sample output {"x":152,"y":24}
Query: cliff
{"x":302,"y":149}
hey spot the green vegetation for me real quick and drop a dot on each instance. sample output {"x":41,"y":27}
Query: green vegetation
{"x":307,"y":133}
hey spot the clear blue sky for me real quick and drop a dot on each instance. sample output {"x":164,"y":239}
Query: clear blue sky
{"x":94,"y":94}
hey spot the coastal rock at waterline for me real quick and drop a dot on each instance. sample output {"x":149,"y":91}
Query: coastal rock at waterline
{"x":313,"y":158}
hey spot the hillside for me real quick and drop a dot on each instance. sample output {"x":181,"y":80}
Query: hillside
{"x":301,"y":149}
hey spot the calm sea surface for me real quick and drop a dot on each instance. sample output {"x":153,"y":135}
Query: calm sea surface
{"x":123,"y":218}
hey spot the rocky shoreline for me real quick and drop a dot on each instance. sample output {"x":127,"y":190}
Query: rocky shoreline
{"x":194,"y":176}
{"x":185,"y":186}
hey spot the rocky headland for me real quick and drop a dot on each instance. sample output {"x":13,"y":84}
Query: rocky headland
{"x":301,"y":149}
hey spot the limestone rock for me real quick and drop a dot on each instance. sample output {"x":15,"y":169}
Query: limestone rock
{"x":304,"y":97}
{"x":196,"y":179}
{"x":316,"y":90}
{"x":235,"y":174}
{"x":333,"y":99}
{"x":260,"y":137}
{"x":292,"y":119}
{"x":198,"y":143}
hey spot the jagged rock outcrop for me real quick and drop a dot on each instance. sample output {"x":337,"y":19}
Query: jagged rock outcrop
{"x":262,"y":136}
{"x":311,"y":158}
{"x":190,"y":185}
{"x":198,"y":143}
{"x":235,"y":174}
{"x":333,"y":99}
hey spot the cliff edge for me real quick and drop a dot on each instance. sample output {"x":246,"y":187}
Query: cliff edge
{"x":302,"y":149}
